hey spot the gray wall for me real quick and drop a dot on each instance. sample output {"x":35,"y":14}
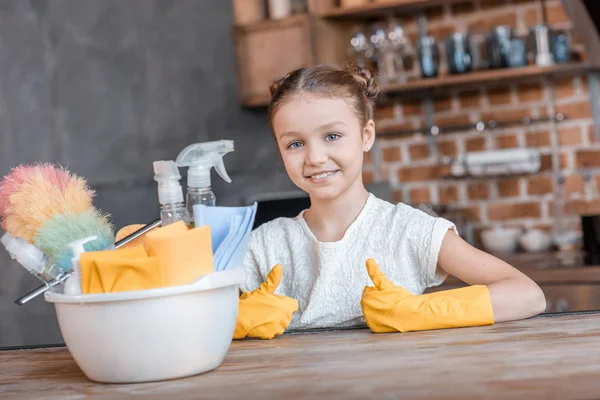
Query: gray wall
{"x":106,"y":87}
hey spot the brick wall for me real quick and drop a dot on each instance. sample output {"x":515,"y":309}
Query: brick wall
{"x":412,"y":169}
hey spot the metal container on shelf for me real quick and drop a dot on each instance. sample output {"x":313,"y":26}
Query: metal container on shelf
{"x":498,"y":43}
{"x":539,"y":37}
{"x":428,"y":53}
{"x":458,"y":53}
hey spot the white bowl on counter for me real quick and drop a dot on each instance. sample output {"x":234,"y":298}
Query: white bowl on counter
{"x":151,"y":335}
{"x":500,"y":240}
{"x":535,"y":240}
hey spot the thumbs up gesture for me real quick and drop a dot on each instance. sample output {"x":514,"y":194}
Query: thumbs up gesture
{"x":390,"y":308}
{"x":262,"y":313}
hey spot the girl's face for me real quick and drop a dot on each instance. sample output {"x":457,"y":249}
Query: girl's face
{"x":322,"y":144}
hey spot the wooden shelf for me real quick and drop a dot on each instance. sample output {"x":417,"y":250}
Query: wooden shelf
{"x":385,"y":8}
{"x":258,"y":100}
{"x":484,"y":77}
{"x":268,"y":24}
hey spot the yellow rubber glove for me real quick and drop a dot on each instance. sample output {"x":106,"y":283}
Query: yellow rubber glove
{"x":263,"y":314}
{"x":390,"y":308}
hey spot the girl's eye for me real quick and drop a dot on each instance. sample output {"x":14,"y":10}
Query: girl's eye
{"x":294,"y":145}
{"x":332,"y":136}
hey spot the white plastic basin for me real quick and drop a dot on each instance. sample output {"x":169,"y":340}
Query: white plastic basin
{"x":151,"y":335}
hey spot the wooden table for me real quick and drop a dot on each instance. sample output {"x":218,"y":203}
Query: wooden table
{"x":544,"y":357}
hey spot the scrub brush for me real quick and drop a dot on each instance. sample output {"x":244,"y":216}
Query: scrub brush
{"x":49,"y":207}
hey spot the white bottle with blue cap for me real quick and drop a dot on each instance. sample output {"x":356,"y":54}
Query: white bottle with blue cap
{"x":73,"y":284}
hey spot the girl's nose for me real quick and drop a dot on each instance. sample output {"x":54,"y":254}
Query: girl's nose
{"x":316,"y":155}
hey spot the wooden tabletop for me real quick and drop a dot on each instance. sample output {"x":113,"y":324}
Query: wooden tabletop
{"x":544,"y":357}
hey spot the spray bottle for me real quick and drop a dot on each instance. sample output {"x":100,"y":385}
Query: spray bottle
{"x":200,"y":158}
{"x":170,"y":193}
{"x":73,"y":283}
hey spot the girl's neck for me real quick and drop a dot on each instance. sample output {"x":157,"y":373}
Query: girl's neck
{"x":330,"y":219}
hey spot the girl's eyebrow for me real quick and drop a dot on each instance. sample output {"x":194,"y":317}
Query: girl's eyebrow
{"x":322,"y":127}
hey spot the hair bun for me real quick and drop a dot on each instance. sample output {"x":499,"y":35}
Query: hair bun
{"x":367,"y":79}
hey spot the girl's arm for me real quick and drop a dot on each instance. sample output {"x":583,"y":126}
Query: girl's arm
{"x":514,"y":295}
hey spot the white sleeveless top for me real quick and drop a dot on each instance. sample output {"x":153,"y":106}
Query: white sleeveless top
{"x":328,"y":278}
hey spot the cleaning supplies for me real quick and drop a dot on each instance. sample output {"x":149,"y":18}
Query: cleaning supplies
{"x":49,"y":207}
{"x":200,"y":158}
{"x":123,"y":270}
{"x":73,"y":284}
{"x":262,"y":313}
{"x":230,"y":229}
{"x":186,"y":254}
{"x":27,"y":255}
{"x":390,"y":308}
{"x":170,"y":193}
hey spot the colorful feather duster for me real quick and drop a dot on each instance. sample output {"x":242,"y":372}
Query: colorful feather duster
{"x":49,"y":207}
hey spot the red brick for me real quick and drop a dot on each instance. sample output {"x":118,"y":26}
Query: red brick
{"x":384,"y":112}
{"x":478,"y":191}
{"x":587,"y":158}
{"x":411,"y":108}
{"x":499,"y":96}
{"x":485,"y":24}
{"x":418,"y":151}
{"x":470,"y":99}
{"x":448,"y":194}
{"x":414,"y":174}
{"x":555,"y":13}
{"x":469,"y":213}
{"x":507,"y":141}
{"x":492,"y":4}
{"x":532,"y":17}
{"x":441,"y":32}
{"x":569,"y":136}
{"x":442,"y":104}
{"x":503,"y":115}
{"x":368,"y":157}
{"x":460,"y":8}
{"x":530,"y":92}
{"x":367,"y":177}
{"x":385,"y":129}
{"x":538,"y":139}
{"x":574,"y":184}
{"x":435,"y":13}
{"x":475,"y":144}
{"x":420,"y":195}
{"x":447,"y":148}
{"x":508,"y":188}
{"x":397,"y":196}
{"x":454,"y":119}
{"x":391,"y":154}
{"x":564,"y":88}
{"x":503,"y":212}
{"x":546,"y":160}
{"x":591,"y":134}
{"x":539,"y":185}
{"x":579,"y":110}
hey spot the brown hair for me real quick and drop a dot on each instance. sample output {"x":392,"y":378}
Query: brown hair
{"x":357,"y":84}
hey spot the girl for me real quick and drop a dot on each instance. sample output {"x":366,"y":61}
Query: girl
{"x":322,"y":120}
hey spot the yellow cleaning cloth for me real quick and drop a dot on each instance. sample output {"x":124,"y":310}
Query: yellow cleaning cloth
{"x":390,"y":308}
{"x":185,"y":254}
{"x":263,"y":314}
{"x":120,"y":270}
{"x":128,"y":230}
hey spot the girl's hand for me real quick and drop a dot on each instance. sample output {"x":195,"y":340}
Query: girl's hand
{"x":262,"y":313}
{"x":514,"y":295}
{"x":391,"y":308}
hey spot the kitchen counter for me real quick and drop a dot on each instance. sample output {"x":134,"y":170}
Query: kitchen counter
{"x":553,"y":356}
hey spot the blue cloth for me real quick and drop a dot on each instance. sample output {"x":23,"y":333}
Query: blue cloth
{"x":230,"y":229}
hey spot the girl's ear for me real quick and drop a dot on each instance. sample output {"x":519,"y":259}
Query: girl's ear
{"x":368,"y":135}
